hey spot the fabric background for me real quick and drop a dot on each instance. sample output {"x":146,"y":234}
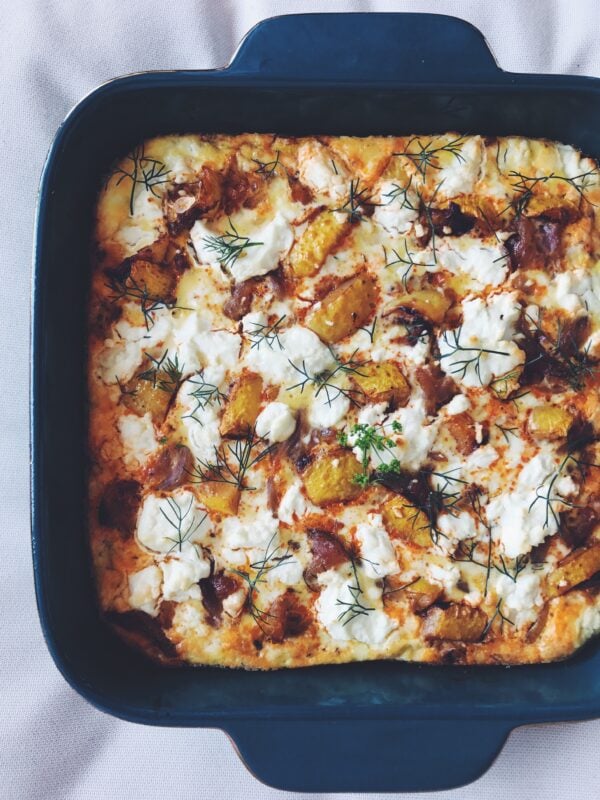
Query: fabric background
{"x":52,"y":744}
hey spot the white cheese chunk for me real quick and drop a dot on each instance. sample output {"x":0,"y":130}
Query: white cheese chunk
{"x":461,"y":171}
{"x":447,"y":576}
{"x":265,"y":248}
{"x":487,"y":331}
{"x":276,"y":422}
{"x":294,"y":504}
{"x":234,"y":603}
{"x":172,"y":524}
{"x":327,"y":409}
{"x":397,"y":207}
{"x":335,"y":603}
{"x":459,"y":526}
{"x":521,"y":599}
{"x":321,"y":171}
{"x":258,"y":531}
{"x":376,"y":550}
{"x":457,"y":405}
{"x":138,"y":438}
{"x":523,"y":518}
{"x":145,"y":589}
{"x":298,"y":346}
{"x":484,"y":261}
{"x":180,"y":578}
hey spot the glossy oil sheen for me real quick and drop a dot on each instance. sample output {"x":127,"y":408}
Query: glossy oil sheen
{"x":361,"y":727}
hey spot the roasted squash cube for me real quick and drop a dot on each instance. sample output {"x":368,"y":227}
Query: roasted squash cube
{"x":383,"y":382}
{"x":223,"y":498}
{"x":331,"y":478}
{"x":344,"y":309}
{"x":422,"y":594}
{"x":577,"y":567}
{"x":242,"y":406}
{"x":157,"y":282}
{"x":319,"y":239}
{"x":428,"y":303}
{"x":404,"y":521}
{"x":457,"y":623}
{"x":550,"y":422}
{"x":146,"y":397}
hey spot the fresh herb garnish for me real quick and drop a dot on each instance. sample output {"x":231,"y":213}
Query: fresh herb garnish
{"x":327,"y":382}
{"x":355,"y":607}
{"x":268,"y":168}
{"x":165,"y":372}
{"x":232,"y":460}
{"x":369,"y":439}
{"x":145,"y":172}
{"x":407,"y":260}
{"x":357,"y":201}
{"x":183,"y":530}
{"x":525,"y":185}
{"x":462,"y":366}
{"x":229,"y":246}
{"x":266,"y":333}
{"x":259,"y":569}
{"x":425,"y":155}
{"x":205,"y":394}
{"x":149,"y":303}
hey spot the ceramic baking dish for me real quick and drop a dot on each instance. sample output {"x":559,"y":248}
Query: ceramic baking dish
{"x":361,"y":727}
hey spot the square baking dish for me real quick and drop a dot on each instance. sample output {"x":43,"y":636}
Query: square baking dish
{"x":361,"y":727}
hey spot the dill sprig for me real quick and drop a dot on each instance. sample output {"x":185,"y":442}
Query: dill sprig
{"x":129,"y":288}
{"x":355,"y":607}
{"x":407,"y":260}
{"x":269,"y":561}
{"x":232,"y":461}
{"x":356,"y":202}
{"x":206,"y":394}
{"x":496,"y":615}
{"x":401,"y":192}
{"x":441,"y":498}
{"x":165,"y":372}
{"x":370,"y":330}
{"x":266,"y":333}
{"x":268,"y":168}
{"x":370,"y":439}
{"x":507,"y":432}
{"x":183,"y":530}
{"x":548,"y":498}
{"x":424,"y":155}
{"x":325,"y":382}
{"x":229,"y":246}
{"x":462,"y":366}
{"x":145,"y":172}
{"x":525,"y":185}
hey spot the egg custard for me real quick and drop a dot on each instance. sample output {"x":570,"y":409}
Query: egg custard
{"x":344,"y":399}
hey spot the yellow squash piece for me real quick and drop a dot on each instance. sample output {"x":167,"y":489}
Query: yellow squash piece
{"x":421,"y":594}
{"x":319,"y":239}
{"x":573,"y":570}
{"x":242,"y":406}
{"x":428,"y":303}
{"x":146,"y":396}
{"x":550,"y":422}
{"x":457,"y":623}
{"x":345,"y":309}
{"x":159,"y":283}
{"x":223,"y":498}
{"x":383,"y":382}
{"x":331,"y":478}
{"x":406,"y":522}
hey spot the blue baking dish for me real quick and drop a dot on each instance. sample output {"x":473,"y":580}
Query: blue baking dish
{"x":361,"y":727}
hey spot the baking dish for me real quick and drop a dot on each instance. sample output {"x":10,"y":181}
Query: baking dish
{"x":360,"y":727}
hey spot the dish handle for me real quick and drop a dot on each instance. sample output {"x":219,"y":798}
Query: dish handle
{"x":417,"y":48}
{"x":366,"y":755}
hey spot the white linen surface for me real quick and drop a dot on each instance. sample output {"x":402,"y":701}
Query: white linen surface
{"x":53,"y":745}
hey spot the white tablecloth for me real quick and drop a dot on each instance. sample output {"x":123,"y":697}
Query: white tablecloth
{"x":53,"y":745}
